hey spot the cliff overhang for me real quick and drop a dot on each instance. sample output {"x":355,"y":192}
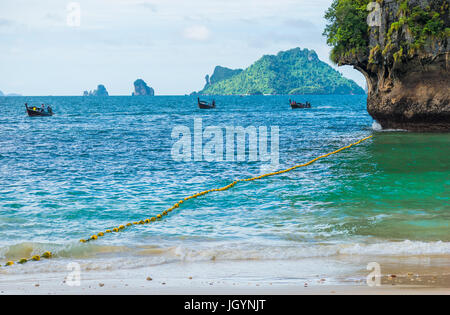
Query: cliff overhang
{"x":406,"y":64}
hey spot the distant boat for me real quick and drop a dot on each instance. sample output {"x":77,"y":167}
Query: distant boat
{"x":295,"y":105}
{"x":205,"y":105}
{"x":37,"y":111}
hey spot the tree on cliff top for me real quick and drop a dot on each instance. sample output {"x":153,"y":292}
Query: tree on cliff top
{"x":347,"y":31}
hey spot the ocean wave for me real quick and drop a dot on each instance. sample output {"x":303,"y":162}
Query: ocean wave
{"x":226,"y":251}
{"x":404,"y":248}
{"x":99,"y":258}
{"x":71,"y":250}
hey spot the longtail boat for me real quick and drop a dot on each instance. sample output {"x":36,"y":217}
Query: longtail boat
{"x":205,"y":105}
{"x":295,"y":105}
{"x":38,"y":111}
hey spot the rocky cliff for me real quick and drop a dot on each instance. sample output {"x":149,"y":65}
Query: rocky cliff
{"x":1,"y":93}
{"x":220,"y":73}
{"x":402,"y":48}
{"x":141,"y":88}
{"x":100,"y":91}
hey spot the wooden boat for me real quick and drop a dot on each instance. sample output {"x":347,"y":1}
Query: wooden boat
{"x":37,"y":111}
{"x":205,"y":105}
{"x":295,"y":105}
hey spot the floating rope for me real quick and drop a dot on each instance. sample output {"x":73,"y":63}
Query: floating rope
{"x":179,"y":203}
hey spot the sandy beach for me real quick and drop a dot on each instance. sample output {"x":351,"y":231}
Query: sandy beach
{"x":221,"y":279}
{"x":141,"y":286}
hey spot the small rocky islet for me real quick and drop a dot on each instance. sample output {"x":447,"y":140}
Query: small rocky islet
{"x":140,"y":89}
{"x":100,"y":91}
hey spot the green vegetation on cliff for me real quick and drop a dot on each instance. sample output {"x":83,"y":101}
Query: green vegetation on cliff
{"x":424,"y":24}
{"x":414,"y":26}
{"x":295,"y":71}
{"x":347,"y":31}
{"x":220,"y":74}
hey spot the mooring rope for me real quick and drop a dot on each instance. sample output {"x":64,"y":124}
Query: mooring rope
{"x":178,"y":204}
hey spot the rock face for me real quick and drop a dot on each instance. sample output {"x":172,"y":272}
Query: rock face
{"x":1,"y":93}
{"x":100,"y":91}
{"x":406,"y":65}
{"x":221,"y":73}
{"x":141,"y":88}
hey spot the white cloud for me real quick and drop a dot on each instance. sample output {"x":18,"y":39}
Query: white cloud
{"x":197,"y":32}
{"x":150,"y":6}
{"x":146,"y":38}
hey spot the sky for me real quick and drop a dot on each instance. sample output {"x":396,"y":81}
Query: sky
{"x":171,"y":44}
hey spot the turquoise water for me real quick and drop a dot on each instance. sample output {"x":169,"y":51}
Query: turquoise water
{"x":101,"y":162}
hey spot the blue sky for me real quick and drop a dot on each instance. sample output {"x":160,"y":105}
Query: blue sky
{"x":171,"y":44}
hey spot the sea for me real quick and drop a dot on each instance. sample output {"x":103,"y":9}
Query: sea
{"x":100,"y":162}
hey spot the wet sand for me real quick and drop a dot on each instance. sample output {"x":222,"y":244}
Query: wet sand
{"x":216,"y":279}
{"x":143,"y":287}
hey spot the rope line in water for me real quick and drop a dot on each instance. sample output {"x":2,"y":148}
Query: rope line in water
{"x":178,"y":204}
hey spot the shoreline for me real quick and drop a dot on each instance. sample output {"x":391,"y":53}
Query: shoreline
{"x":157,"y":287}
{"x":225,"y":278}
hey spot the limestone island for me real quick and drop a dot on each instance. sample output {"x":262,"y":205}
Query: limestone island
{"x":100,"y":91}
{"x":402,"y":48}
{"x":142,"y":89}
{"x":296,"y":71}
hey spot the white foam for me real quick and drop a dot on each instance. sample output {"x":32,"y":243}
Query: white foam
{"x":114,"y":259}
{"x":398,"y":248}
{"x":377,"y":127}
{"x":249,"y":252}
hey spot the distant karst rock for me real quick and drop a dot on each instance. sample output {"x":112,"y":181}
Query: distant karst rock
{"x":11,"y":94}
{"x":141,"y":88}
{"x":100,"y":91}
